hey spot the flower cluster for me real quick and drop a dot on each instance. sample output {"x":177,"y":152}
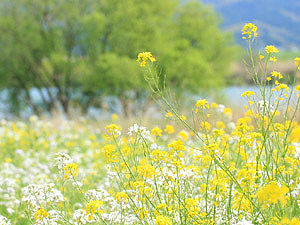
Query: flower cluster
{"x":143,"y":57}
{"x":210,"y":168}
{"x":166,"y":176}
{"x":249,"y":31}
{"x":297,"y":61}
{"x":271,"y":49}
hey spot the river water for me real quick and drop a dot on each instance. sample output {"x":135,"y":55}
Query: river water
{"x":229,"y":96}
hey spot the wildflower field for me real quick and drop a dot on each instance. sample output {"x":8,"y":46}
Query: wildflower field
{"x":198,"y":168}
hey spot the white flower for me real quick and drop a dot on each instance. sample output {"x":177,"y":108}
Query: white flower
{"x":80,"y":216}
{"x":51,"y":219}
{"x":4,"y":221}
{"x":244,"y":222}
{"x":62,"y":160}
{"x":77,"y":184}
{"x":187,"y":173}
{"x":221,"y":108}
{"x":99,"y":194}
{"x":297,"y":147}
{"x":265,"y":106}
{"x":142,"y":131}
{"x":155,"y":146}
{"x":19,"y":152}
{"x":231,"y":126}
{"x":133,"y":129}
{"x":10,"y":210}
{"x":35,"y":195}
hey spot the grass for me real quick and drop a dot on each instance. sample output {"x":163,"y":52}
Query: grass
{"x":288,"y":55}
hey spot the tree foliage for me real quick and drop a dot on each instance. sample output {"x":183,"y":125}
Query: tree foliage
{"x":72,"y":53}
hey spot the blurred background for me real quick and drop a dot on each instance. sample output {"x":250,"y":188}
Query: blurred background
{"x":78,"y":57}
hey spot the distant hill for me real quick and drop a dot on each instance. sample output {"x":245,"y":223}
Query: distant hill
{"x":278,"y":21}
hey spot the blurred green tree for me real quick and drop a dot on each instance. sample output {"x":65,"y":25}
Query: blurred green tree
{"x":38,"y":50}
{"x":74,"y":52}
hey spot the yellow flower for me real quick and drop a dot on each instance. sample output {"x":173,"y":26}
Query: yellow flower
{"x":214,"y":105}
{"x":205,"y":125}
{"x":276,"y":113}
{"x":177,"y":145}
{"x":250,"y":30}
{"x":247,"y":93}
{"x":228,"y":112}
{"x":163,"y":220}
{"x":277,"y":75}
{"x":297,"y":61}
{"x":295,"y":221}
{"x":93,"y":207}
{"x":295,"y":134}
{"x":8,"y":160}
{"x":121,"y":196}
{"x":203,"y":214}
{"x":184,"y":135}
{"x":297,"y":88}
{"x":261,"y":57}
{"x":273,"y":59}
{"x":143,"y":57}
{"x":126,"y":150}
{"x":220,"y":125}
{"x":158,"y":154}
{"x":114,"y":117}
{"x":191,"y":205}
{"x":156,"y":131}
{"x":40,"y":214}
{"x":71,"y":169}
{"x":113,"y":129}
{"x":271,"y":194}
{"x":169,"y":114}
{"x":146,"y":170}
{"x":142,"y":213}
{"x":161,"y":206}
{"x":169,"y":129}
{"x":110,"y":153}
{"x":286,"y":221}
{"x":271,"y":49}
{"x":202,"y":103}
{"x":281,"y":87}
{"x":182,"y":117}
